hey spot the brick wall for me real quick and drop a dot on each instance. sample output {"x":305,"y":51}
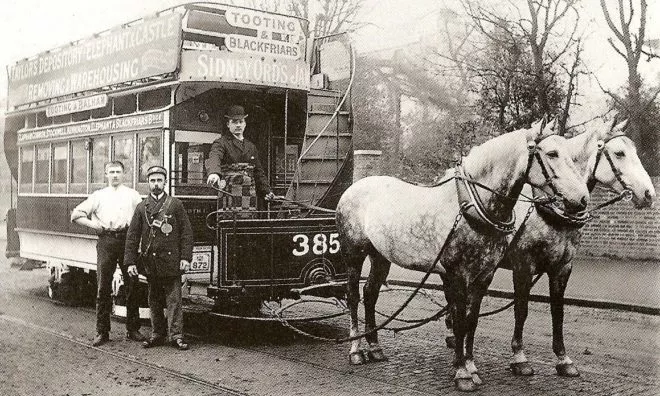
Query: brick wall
{"x":622,"y":231}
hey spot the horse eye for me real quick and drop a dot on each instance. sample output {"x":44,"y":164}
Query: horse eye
{"x":553,"y":154}
{"x":620,"y":154}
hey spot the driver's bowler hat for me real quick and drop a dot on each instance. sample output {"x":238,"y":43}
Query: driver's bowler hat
{"x":236,"y":113}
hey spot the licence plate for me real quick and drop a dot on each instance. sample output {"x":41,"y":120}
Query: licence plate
{"x":201,"y":262}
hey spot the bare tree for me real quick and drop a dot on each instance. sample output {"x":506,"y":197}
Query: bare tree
{"x":326,"y":16}
{"x":549,"y":29}
{"x":628,"y":43}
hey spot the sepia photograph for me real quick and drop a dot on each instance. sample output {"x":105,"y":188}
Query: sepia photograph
{"x":330,"y":197}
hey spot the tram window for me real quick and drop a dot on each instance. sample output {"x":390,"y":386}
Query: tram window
{"x":78,"y":167}
{"x":27,"y":162}
{"x":122,"y":150}
{"x":191,"y":151}
{"x":155,"y":99}
{"x":62,"y":119}
{"x":149,"y":154}
{"x":125,"y":104}
{"x":43,"y":120}
{"x":58,"y":176}
{"x":81,"y":116}
{"x":42,"y":169}
{"x":99,"y":148}
{"x":103,"y":112}
{"x":30,"y":120}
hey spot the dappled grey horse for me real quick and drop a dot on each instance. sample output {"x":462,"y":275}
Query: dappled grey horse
{"x":551,"y":237}
{"x":392,"y":221}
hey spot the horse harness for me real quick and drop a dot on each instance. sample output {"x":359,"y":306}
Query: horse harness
{"x":473,"y":207}
{"x":556,"y":216}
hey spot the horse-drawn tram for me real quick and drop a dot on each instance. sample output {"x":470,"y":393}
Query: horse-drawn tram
{"x":154,"y":92}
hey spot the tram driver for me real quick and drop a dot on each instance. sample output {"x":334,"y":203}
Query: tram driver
{"x":235,"y":149}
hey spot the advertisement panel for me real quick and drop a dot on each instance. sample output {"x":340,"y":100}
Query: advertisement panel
{"x":127,"y":54}
{"x":226,"y":66}
{"x":113,"y":125}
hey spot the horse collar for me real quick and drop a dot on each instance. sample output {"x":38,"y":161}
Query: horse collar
{"x":474,"y":210}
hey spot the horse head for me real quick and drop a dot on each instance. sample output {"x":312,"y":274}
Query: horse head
{"x":550,"y":167}
{"x":617,"y":166}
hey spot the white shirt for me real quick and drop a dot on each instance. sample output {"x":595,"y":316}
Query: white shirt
{"x":111,"y":207}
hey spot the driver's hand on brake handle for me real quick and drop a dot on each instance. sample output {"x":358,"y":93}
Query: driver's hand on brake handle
{"x":215,"y":179}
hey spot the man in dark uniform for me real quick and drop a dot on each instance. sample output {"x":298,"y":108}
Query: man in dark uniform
{"x":235,"y":149}
{"x":161,"y":229}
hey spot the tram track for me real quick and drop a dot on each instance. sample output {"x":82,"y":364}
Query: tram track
{"x":200,"y":336}
{"x":122,"y":356}
{"x":419,"y":363}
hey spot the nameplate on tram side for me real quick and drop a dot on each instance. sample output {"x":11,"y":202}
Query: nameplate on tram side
{"x":128,"y":123}
{"x":74,"y":106}
{"x":232,"y":67}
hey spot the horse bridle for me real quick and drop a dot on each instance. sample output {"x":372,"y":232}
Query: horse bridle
{"x":534,"y":154}
{"x":626,"y":194}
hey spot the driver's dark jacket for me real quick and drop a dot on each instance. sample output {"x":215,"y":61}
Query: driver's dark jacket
{"x":228,"y":150}
{"x":163,"y":255}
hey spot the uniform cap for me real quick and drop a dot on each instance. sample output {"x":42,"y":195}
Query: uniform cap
{"x":156,"y":169}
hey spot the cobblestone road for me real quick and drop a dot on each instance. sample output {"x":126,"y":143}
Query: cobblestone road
{"x":617,"y":352}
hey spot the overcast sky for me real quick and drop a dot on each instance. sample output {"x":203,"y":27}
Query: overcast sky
{"x":28,"y":27}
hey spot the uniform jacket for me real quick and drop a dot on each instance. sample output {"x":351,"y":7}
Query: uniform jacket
{"x":228,"y":150}
{"x":165,"y":252}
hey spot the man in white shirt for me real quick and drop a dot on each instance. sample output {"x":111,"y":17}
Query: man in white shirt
{"x":109,"y":212}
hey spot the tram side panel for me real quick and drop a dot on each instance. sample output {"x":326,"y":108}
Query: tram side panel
{"x":278,"y":258}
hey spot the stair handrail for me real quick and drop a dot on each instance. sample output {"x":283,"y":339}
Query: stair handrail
{"x":334,"y":114}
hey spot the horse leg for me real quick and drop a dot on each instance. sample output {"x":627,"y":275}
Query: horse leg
{"x":473,"y":319}
{"x":557,"y":284}
{"x":450,"y":340}
{"x":457,"y":299}
{"x":354,"y":262}
{"x":522,"y":283}
{"x":380,"y":268}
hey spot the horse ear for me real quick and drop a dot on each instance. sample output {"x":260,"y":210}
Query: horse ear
{"x":619,"y":128}
{"x":549,"y":129}
{"x":535,"y":132}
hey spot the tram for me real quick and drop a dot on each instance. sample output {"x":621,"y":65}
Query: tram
{"x":153,"y":92}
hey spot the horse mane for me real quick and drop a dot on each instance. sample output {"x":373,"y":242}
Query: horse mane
{"x":481,"y":159}
{"x":580,"y":145}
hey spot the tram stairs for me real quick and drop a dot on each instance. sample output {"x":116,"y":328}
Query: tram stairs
{"x":324,"y":168}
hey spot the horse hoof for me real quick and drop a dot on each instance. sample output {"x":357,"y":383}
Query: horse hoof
{"x":465,"y":384}
{"x":451,"y":342}
{"x":567,"y":370}
{"x":356,"y":358}
{"x":475,"y":378}
{"x":522,"y":368}
{"x":376,"y":355}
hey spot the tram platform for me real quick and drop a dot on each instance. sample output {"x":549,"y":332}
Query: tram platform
{"x":600,"y":282}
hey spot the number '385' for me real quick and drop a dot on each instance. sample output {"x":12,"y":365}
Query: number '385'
{"x":318,"y":245}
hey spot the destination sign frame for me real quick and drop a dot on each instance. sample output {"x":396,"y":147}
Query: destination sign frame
{"x":94,"y":127}
{"x":225,"y":66}
{"x":77,"y":105}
